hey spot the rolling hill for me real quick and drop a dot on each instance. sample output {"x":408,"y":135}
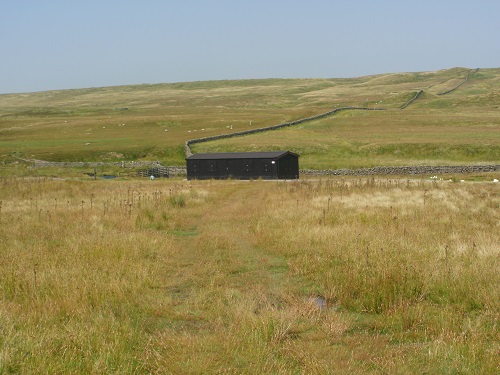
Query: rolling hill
{"x":152,"y":122}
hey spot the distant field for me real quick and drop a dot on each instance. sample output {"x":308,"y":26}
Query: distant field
{"x":359,"y":139}
{"x":152,"y":122}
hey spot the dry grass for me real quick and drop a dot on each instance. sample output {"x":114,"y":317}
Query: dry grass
{"x":325,"y":276}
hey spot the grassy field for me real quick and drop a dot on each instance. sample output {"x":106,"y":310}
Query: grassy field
{"x":152,"y":122}
{"x":327,"y":276}
{"x":311,"y":276}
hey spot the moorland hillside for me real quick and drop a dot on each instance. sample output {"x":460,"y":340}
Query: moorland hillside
{"x":454,"y":120}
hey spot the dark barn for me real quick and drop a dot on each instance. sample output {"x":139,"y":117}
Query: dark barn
{"x":243,"y":165}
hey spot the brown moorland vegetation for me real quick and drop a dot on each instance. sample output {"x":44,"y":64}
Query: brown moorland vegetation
{"x":324,"y":276}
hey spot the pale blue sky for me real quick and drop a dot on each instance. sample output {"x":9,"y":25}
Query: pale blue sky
{"x":59,"y":44}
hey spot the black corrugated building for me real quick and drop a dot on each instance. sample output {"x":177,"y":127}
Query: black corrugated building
{"x":243,"y":165}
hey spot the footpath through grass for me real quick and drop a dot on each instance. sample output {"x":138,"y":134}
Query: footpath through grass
{"x":325,"y":276}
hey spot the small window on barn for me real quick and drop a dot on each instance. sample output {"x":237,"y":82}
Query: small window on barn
{"x":267,"y":168}
{"x":247,"y":165}
{"x":196,"y":166}
{"x":212,"y":166}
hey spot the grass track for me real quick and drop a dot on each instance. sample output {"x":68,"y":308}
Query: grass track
{"x":206,"y":277}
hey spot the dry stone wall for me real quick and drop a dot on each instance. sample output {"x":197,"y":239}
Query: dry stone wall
{"x":274,"y":127}
{"x":412,"y":99}
{"x":375,"y":171}
{"x":170,"y":170}
{"x":76,"y":164}
{"x":461,"y":83}
{"x":414,"y":170}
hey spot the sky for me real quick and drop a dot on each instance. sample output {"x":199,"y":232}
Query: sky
{"x":66,"y":44}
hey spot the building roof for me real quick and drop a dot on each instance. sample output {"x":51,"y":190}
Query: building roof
{"x":240,"y":155}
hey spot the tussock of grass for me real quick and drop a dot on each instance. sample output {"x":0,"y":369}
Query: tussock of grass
{"x":381,"y":276}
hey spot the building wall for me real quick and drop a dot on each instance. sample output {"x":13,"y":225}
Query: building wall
{"x":286,"y":167}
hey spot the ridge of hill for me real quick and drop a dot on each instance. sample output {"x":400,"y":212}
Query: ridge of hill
{"x":152,"y":122}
